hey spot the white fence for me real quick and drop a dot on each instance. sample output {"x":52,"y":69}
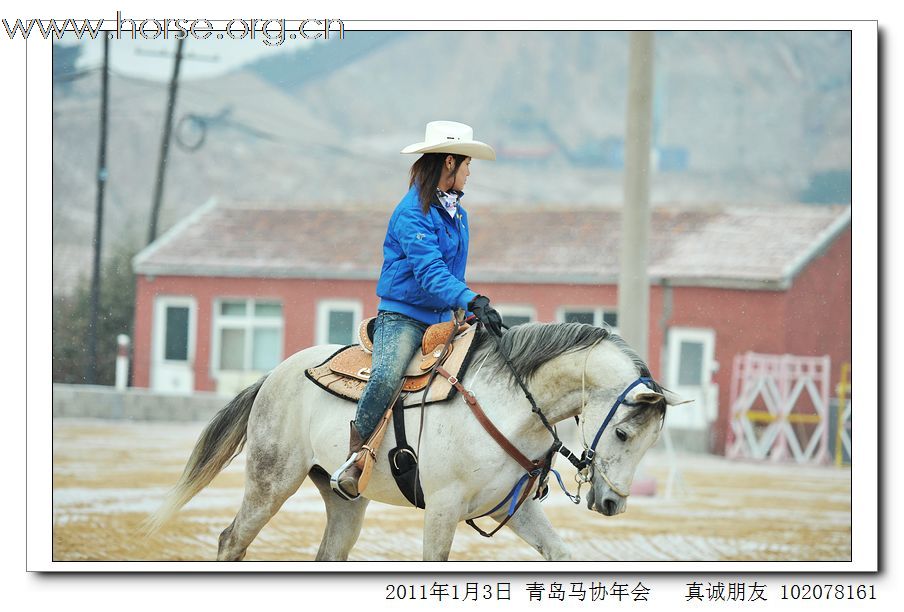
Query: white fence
{"x":780,"y":408}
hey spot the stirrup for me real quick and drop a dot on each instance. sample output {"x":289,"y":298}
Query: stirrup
{"x":334,"y":479}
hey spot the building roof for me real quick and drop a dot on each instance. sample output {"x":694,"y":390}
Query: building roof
{"x":724,"y":246}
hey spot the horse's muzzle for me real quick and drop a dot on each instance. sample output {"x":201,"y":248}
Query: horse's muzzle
{"x":608,"y":504}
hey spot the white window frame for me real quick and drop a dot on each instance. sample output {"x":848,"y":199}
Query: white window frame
{"x":705,"y":409}
{"x":516,"y":310}
{"x":598,"y":313}
{"x":248,"y":323}
{"x":172,"y":375}
{"x":324,"y":307}
{"x":161,"y":302}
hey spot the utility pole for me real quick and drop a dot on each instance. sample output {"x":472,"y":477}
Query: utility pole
{"x":164,"y":145}
{"x":91,"y":373}
{"x":633,"y":282}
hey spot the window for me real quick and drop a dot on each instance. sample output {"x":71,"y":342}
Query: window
{"x":579,"y":316}
{"x":690,"y":363}
{"x":337,"y":321}
{"x":516,"y":315}
{"x":589,"y":315}
{"x":176,"y":335}
{"x":247,"y":335}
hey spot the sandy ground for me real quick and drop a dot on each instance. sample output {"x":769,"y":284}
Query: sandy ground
{"x":108,"y":475}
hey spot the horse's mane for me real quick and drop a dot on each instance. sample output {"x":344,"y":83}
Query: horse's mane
{"x":531,"y":345}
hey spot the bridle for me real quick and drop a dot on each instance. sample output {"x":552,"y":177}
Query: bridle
{"x":585,"y":464}
{"x":538,"y":470}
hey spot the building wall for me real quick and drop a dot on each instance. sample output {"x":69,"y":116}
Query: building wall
{"x":742,"y":320}
{"x":299,"y":299}
{"x":547,"y":298}
{"x":812,"y":318}
{"x":819,"y":314}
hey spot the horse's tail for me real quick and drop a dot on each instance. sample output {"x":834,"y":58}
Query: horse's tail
{"x":220,"y":442}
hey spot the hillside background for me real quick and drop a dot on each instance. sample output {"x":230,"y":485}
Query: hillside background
{"x":739,"y":118}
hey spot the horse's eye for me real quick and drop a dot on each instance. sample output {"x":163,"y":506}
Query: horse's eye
{"x":621,"y":434}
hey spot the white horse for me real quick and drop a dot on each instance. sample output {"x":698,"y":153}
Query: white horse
{"x":293,"y":429}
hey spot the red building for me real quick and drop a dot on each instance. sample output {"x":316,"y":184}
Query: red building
{"x":233,"y":290}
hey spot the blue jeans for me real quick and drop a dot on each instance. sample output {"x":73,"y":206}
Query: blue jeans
{"x":396,"y":338}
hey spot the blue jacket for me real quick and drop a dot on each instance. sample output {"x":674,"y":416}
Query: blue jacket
{"x":424,"y":259}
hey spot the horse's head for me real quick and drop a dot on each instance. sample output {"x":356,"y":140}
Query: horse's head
{"x":620,"y":423}
{"x":621,"y":408}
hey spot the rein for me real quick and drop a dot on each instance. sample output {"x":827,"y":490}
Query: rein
{"x":534,"y":469}
{"x":586,"y":457}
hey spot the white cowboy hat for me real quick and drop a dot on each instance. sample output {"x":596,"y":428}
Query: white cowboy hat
{"x":451,"y":137}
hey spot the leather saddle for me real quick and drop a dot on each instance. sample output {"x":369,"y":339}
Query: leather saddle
{"x":346,"y":372}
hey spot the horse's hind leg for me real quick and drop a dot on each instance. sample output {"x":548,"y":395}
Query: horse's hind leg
{"x":272,"y":475}
{"x":343,"y":520}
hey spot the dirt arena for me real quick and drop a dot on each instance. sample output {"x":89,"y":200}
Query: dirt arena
{"x":108,"y":475}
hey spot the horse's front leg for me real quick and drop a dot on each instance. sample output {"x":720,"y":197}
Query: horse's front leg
{"x":441,"y":516}
{"x":532,"y":526}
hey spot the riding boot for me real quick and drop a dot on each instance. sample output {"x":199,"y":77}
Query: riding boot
{"x":348,"y":479}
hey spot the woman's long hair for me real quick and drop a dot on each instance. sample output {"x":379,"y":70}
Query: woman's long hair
{"x":426,"y":172}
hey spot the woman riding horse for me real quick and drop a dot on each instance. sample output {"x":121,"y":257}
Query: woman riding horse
{"x":422,"y":280}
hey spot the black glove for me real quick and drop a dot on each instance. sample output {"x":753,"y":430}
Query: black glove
{"x":486,"y":314}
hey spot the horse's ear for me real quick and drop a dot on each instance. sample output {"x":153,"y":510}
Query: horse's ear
{"x":673,"y":399}
{"x":646,"y":395}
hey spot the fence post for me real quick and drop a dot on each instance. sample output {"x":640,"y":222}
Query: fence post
{"x":842,"y":400}
{"x":122,"y":362}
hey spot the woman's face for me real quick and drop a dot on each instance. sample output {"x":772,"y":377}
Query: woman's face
{"x":461,"y":176}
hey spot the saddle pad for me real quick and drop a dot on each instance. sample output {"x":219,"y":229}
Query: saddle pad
{"x":341,"y":373}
